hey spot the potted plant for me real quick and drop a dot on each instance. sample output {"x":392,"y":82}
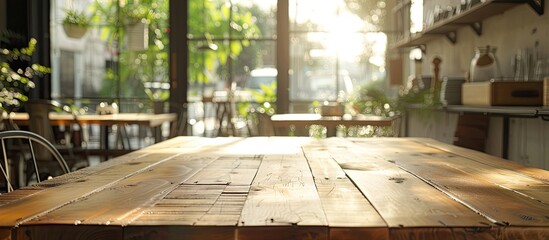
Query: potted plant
{"x":16,"y":74}
{"x":158,"y":98}
{"x":75,"y":23}
{"x":135,"y":20}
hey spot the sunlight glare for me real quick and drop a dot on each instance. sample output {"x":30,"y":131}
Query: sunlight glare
{"x":416,"y":15}
{"x":342,"y":39}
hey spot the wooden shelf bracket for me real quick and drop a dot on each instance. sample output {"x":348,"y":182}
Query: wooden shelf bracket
{"x":537,"y":5}
{"x":477,"y":27}
{"x":452,"y":36}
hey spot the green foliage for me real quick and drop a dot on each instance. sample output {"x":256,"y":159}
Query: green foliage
{"x":207,"y":20}
{"x":75,"y":17}
{"x":211,"y":21}
{"x":134,"y":68}
{"x":157,"y":95}
{"x":263,"y":101}
{"x":16,"y":83}
{"x":371,"y":99}
{"x":265,"y":98}
{"x":134,"y":13}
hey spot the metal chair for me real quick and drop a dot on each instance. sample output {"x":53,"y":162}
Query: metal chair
{"x":69,"y":142}
{"x":13,"y":144}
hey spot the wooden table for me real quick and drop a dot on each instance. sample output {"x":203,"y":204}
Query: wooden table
{"x":154,"y":121}
{"x":144,"y":119}
{"x":303,"y":120}
{"x":287,"y":188}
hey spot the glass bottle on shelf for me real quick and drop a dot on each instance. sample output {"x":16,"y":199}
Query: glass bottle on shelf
{"x":484,"y":65}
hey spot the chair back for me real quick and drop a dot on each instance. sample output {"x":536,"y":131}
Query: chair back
{"x":19,"y":156}
{"x":39,"y":121}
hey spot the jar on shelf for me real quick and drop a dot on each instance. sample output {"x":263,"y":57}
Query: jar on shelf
{"x":484,"y":66}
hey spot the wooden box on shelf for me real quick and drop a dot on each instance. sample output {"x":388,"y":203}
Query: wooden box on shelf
{"x":493,"y":93}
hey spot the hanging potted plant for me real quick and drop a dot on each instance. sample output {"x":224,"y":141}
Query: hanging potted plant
{"x":136,"y":25}
{"x":75,"y":23}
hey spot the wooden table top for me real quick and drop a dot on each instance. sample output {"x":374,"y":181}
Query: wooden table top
{"x":146,"y":119}
{"x":304,"y":119}
{"x":287,"y":188}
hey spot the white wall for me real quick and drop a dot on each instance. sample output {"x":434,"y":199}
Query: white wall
{"x":517,"y":28}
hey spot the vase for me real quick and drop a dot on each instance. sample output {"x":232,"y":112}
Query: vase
{"x":484,"y":65}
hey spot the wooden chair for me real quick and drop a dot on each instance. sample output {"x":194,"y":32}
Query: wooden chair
{"x":472,"y":131}
{"x":19,"y":151}
{"x":70,"y":142}
{"x":259,"y":124}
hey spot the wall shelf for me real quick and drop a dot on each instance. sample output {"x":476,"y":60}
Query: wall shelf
{"x":471,"y":17}
{"x":505,"y":112}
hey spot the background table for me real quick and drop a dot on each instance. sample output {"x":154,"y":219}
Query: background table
{"x":287,"y":188}
{"x":283,"y":122}
{"x":144,"y":119}
{"x":154,"y":121}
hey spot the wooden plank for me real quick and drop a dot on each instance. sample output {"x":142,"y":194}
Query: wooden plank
{"x":500,"y":176}
{"x":283,"y":193}
{"x":406,"y":200}
{"x":513,"y":233}
{"x":189,"y":143}
{"x":282,"y":232}
{"x":487,"y":159}
{"x":471,"y":132}
{"x":349,"y":233}
{"x":447,"y":233}
{"x":472,"y":186}
{"x":77,"y":185}
{"x":356,"y":218}
{"x":178,"y":233}
{"x":33,"y":205}
{"x":191,"y":205}
{"x":131,"y":195}
{"x":213,"y":196}
{"x":474,"y":119}
{"x":229,"y":169}
{"x":5,"y":233}
{"x":69,"y":232}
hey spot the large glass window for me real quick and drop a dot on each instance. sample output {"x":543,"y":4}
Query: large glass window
{"x":120,"y":55}
{"x":335,"y":46}
{"x":228,"y":41}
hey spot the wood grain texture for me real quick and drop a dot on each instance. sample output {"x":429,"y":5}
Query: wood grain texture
{"x":450,"y":233}
{"x":487,"y":159}
{"x":524,"y":233}
{"x":287,"y":188}
{"x":5,"y":233}
{"x":129,"y":196}
{"x":60,"y":232}
{"x":283,"y":193}
{"x":85,"y":172}
{"x":350,"y":233}
{"x":282,"y":232}
{"x":476,"y":185}
{"x":177,"y":233}
{"x":401,"y":199}
{"x":45,"y":197}
{"x":343,"y":203}
{"x":228,"y":169}
{"x":213,"y":196}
